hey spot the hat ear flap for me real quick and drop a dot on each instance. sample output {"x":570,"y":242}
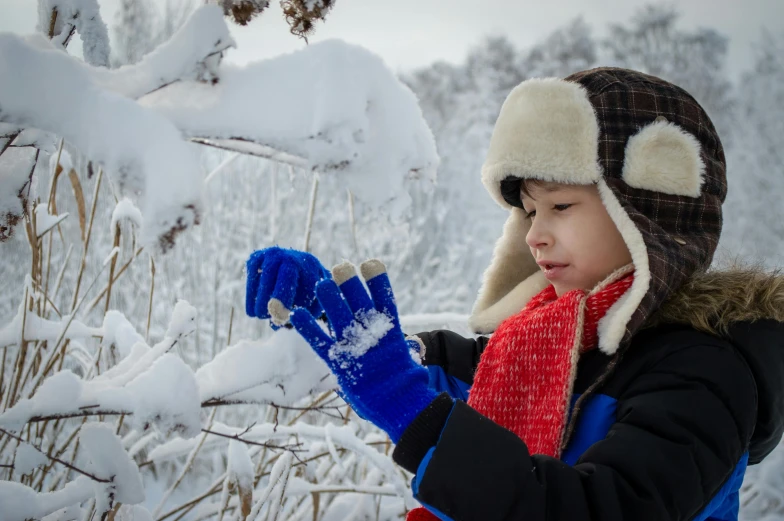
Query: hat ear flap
{"x":663,"y":157}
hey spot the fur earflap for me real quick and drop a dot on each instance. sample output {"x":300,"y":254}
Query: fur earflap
{"x":547,"y":129}
{"x":612,"y":327}
{"x":506,"y":289}
{"x":663,"y":157}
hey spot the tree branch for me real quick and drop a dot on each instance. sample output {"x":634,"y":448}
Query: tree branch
{"x":58,"y":460}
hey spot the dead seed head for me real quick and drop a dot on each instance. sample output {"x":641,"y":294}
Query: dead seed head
{"x":166,"y":240}
{"x":301,"y":15}
{"x":243,"y":11}
{"x":7,"y":224}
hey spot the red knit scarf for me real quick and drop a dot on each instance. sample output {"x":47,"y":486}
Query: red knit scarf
{"x":524,"y":379}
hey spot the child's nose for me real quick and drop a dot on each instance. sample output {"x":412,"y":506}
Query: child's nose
{"x":538,"y":235}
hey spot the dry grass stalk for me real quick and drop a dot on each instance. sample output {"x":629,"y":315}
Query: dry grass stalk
{"x":311,"y":211}
{"x":113,"y":264}
{"x":76,"y":185}
{"x":52,"y":23}
{"x":59,"y":280}
{"x":231,"y":322}
{"x":86,"y":242}
{"x":100,"y":295}
{"x":186,"y":467}
{"x":19,"y":364}
{"x":152,"y":293}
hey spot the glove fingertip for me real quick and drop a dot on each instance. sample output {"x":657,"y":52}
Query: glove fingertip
{"x":279,"y":313}
{"x":372,"y":268}
{"x":343,"y":272}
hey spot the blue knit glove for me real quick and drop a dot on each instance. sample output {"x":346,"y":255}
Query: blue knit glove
{"x":280,"y":280}
{"x":366,"y":349}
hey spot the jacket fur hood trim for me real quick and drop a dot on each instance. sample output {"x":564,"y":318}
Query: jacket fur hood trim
{"x":713,"y":301}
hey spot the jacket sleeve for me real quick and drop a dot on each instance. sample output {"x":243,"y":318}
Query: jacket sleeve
{"x":681,"y":428}
{"x":456,"y":355}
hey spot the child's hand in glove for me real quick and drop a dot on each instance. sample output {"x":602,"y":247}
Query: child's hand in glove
{"x":366,"y":349}
{"x":280,"y":280}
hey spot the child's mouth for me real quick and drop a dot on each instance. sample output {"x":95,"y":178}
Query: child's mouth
{"x":553,"y":271}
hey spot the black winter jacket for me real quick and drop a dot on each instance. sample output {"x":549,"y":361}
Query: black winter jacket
{"x":667,"y":437}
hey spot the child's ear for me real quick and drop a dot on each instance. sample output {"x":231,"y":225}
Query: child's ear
{"x":664,"y":158}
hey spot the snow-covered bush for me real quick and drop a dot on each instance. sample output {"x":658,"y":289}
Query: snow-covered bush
{"x":112,"y":405}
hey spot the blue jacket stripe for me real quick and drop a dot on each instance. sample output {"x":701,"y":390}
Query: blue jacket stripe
{"x":441,"y":382}
{"x":726,"y":503}
{"x":593,"y":425}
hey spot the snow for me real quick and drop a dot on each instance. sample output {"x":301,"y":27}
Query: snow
{"x":361,"y":336}
{"x":343,"y":436}
{"x":112,"y":254}
{"x":31,"y":137}
{"x":333,"y":104}
{"x":331,"y":107}
{"x":85,"y":16}
{"x":65,"y":161}
{"x":65,"y":514}
{"x":126,"y":211}
{"x":167,"y":396}
{"x":280,"y":370}
{"x":21,"y":502}
{"x":240,"y":464}
{"x":182,"y":57}
{"x":37,"y":328}
{"x":28,"y":459}
{"x":108,"y":460}
{"x":146,"y":151}
{"x":183,"y":320}
{"x":164,"y":395}
{"x":133,"y":513}
{"x":119,"y":332}
{"x":46,"y":221}
{"x":152,"y":385}
{"x":240,"y":473}
{"x":15,"y":167}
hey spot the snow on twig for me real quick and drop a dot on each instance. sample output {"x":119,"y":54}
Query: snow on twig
{"x":58,"y":19}
{"x":146,"y":151}
{"x":351,"y":117}
{"x":152,"y":385}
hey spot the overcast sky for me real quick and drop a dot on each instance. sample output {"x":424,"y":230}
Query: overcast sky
{"x":411,"y":33}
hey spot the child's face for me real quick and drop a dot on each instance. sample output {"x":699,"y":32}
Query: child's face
{"x":571,"y":229}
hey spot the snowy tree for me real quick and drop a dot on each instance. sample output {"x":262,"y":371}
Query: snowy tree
{"x":569,"y":49}
{"x":133,"y":30}
{"x":753,"y":224}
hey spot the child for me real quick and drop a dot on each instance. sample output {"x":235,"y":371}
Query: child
{"x":622,"y":380}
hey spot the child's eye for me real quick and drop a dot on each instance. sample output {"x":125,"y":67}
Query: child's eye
{"x":558,"y":207}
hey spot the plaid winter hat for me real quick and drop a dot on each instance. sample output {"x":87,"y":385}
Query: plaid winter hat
{"x":659,"y":166}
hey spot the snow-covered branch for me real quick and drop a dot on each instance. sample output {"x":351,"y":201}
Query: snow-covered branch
{"x":59,"y":19}
{"x":331,"y":107}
